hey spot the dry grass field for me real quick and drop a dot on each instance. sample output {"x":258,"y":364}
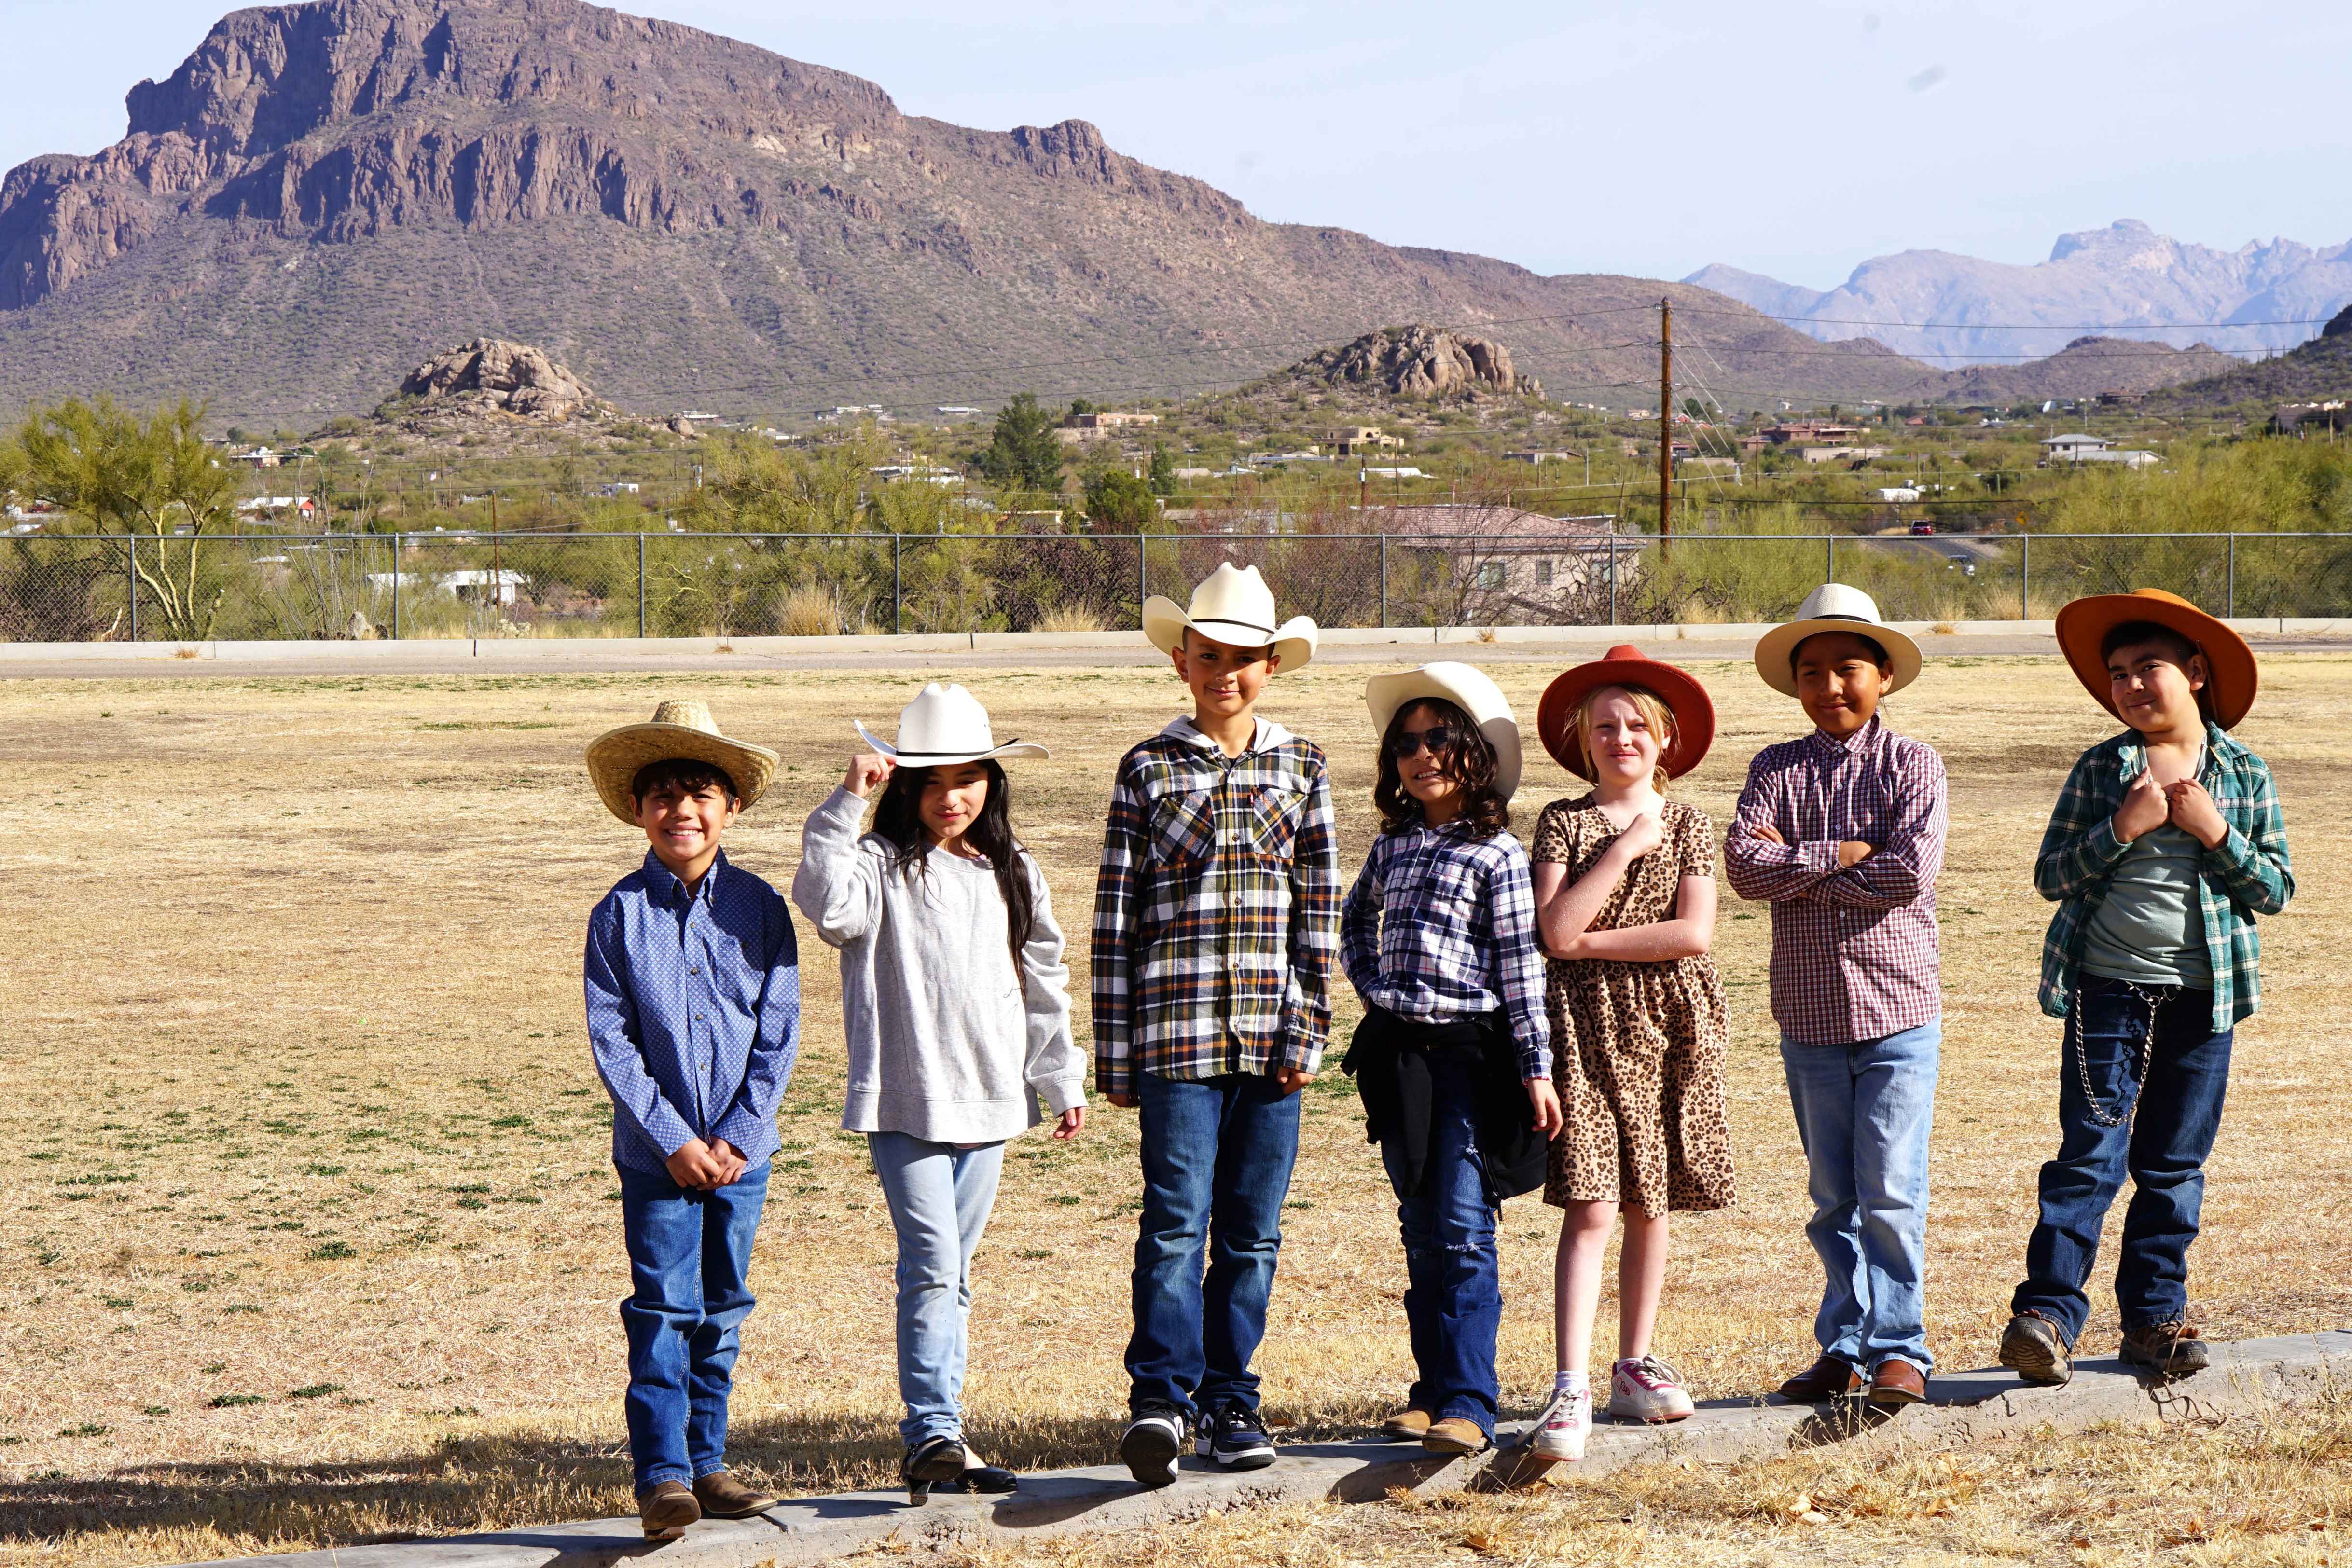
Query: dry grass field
{"x":306,"y":1222}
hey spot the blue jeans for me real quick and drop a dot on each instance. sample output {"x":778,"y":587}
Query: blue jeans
{"x":940,"y":1198}
{"x":1453,"y":1287}
{"x":688,"y":1253}
{"x":1864,"y":1114}
{"x":2159,"y":1130}
{"x":1217,"y":1154}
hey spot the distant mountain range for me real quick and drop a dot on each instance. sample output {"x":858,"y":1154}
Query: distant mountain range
{"x":2126,"y":281}
{"x":323,"y":194}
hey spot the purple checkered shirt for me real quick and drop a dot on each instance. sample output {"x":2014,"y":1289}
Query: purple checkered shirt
{"x":1853,"y":951}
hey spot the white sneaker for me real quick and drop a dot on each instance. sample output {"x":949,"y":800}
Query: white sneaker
{"x":1648,"y":1390}
{"x":1565,"y":1423}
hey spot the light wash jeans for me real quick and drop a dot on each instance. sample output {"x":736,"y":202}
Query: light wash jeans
{"x":940,"y":1198}
{"x":1864,"y":1114}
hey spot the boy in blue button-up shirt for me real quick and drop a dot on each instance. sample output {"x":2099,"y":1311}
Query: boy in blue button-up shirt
{"x":693,"y":989}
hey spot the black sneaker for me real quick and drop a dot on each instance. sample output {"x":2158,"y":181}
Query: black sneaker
{"x":1235,"y":1439}
{"x":1154,"y":1437}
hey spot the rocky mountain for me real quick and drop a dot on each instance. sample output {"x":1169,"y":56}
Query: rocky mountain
{"x":2084,"y":368}
{"x":2318,"y":371}
{"x":2124,"y":276}
{"x":323,"y":194}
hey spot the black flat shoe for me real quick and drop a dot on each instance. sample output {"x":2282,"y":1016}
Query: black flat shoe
{"x":983,"y":1479}
{"x":927,"y":1464}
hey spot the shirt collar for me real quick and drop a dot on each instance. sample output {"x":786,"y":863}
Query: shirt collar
{"x":2131,"y":755}
{"x":666,"y":889}
{"x":1854,"y":745}
{"x":1263,"y":733}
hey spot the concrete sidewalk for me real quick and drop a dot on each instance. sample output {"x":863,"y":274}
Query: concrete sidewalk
{"x":1963,"y":1408}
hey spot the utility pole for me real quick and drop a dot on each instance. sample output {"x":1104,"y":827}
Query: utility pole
{"x":1665,"y":428}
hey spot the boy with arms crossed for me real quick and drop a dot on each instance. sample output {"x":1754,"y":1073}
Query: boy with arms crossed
{"x":1217,"y":918}
{"x":694,"y":1001}
{"x":2166,"y":842}
{"x":1842,"y":831}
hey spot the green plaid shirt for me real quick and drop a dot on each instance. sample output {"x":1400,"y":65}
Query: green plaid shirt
{"x":1216,"y":910}
{"x":2244,"y":875}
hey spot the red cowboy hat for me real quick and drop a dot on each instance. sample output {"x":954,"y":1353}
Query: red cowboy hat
{"x":2085,"y":623}
{"x":1627,"y":665}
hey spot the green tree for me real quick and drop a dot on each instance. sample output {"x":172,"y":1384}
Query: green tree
{"x":1080,"y":408}
{"x":1025,"y":453}
{"x":1163,"y":477}
{"x":153,"y":479}
{"x":1120,"y":503}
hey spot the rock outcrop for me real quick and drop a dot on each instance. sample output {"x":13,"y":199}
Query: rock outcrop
{"x":490,"y":374}
{"x":1421,"y":361}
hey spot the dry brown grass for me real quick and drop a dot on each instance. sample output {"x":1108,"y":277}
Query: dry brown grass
{"x":296,"y":1105}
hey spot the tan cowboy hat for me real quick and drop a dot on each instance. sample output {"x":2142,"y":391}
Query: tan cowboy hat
{"x":2083,"y":624}
{"x":1468,"y":689}
{"x":681,"y":727}
{"x":944,"y":724}
{"x":1626,"y":666}
{"x":1236,"y":606}
{"x":1833,"y":607}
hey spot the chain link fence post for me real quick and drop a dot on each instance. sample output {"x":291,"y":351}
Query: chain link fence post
{"x":897,"y":625}
{"x":2025,"y":577}
{"x":133,"y":556}
{"x":2229,"y":605}
{"x":641,"y":587}
{"x":395,"y":586}
{"x":1384,"y":582}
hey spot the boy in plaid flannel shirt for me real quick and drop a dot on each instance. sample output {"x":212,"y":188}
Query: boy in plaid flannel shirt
{"x":2165,"y":844}
{"x":1216,"y":918}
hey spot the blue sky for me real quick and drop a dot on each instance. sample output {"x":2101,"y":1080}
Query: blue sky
{"x":1570,"y":137}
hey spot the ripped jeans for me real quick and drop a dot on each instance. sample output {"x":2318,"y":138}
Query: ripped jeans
{"x":2140,"y":1085}
{"x":1454,"y":1293}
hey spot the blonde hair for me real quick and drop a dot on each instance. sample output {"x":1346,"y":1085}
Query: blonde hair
{"x":1654,"y":713}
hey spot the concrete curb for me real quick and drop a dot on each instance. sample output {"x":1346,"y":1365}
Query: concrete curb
{"x":1963,"y":1408}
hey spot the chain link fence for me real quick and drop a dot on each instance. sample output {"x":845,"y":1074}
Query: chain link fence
{"x":84,"y":588}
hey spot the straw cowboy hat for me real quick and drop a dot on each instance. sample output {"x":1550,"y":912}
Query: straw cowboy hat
{"x":1833,"y":607}
{"x":943,"y":725}
{"x":1236,"y":606}
{"x":1468,"y":689}
{"x":1627,"y":665}
{"x":683,"y":728}
{"x":2085,"y":623}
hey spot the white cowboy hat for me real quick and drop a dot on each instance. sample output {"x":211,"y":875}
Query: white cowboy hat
{"x":1468,"y":689}
{"x":679,"y":728}
{"x":1833,"y":607}
{"x":945,"y":725}
{"x":1236,"y":606}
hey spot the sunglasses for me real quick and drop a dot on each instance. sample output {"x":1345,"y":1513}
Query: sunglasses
{"x":1440,"y":738}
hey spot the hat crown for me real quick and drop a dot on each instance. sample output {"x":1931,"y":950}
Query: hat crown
{"x":1235,"y":594}
{"x":689,"y":713}
{"x":942,"y":721}
{"x":1838,"y":601}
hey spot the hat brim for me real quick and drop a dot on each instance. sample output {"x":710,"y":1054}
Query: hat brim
{"x":1778,"y":646}
{"x":2083,"y":624}
{"x":1010,"y":748}
{"x":616,"y":756}
{"x":1466,"y":688}
{"x":1293,"y":641}
{"x":1684,"y":697}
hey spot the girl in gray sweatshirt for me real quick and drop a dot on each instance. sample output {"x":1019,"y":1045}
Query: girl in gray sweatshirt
{"x":956,"y":1003}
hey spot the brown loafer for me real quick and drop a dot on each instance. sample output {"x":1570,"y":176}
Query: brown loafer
{"x":1828,"y":1379}
{"x":665,"y":1508}
{"x":2176,"y":1350}
{"x":1897,"y":1382}
{"x":1410,"y":1425}
{"x":1456,"y":1435}
{"x":723,"y":1495}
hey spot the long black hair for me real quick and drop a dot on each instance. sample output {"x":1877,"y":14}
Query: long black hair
{"x":1470,"y":763}
{"x":899,"y":818}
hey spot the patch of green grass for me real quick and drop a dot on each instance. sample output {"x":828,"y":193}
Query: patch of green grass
{"x":315,"y":1391}
{"x":230,"y":1401}
{"x":86,"y":1429}
{"x":330,"y":1252}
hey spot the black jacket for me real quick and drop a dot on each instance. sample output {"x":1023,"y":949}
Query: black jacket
{"x":1388,"y":1059}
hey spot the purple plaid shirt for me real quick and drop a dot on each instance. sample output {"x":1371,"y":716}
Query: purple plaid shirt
{"x":1853,"y":951}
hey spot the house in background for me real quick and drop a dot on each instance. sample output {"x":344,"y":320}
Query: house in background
{"x":2081,"y":448}
{"x":1356,"y":440}
{"x":1482,"y":564}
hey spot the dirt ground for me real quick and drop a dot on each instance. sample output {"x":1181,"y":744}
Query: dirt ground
{"x":307,"y":1229}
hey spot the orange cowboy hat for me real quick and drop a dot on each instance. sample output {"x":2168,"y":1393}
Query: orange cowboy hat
{"x":1626,"y":666}
{"x":2085,"y":623}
